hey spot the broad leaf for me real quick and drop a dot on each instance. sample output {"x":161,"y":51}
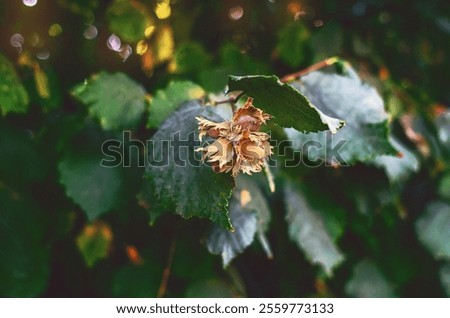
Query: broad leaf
{"x":138,"y":280}
{"x":365,"y":134}
{"x":444,"y":186}
{"x":21,"y":162}
{"x":212,"y":288}
{"x":115,"y":100}
{"x":128,"y":19}
{"x":308,"y":230}
{"x":398,"y":168}
{"x":13,"y":96}
{"x":292,"y":45}
{"x":168,"y":99}
{"x":180,"y":181}
{"x":433,"y":229}
{"x":230,"y":244}
{"x":95,"y":188}
{"x":189,"y":57}
{"x":444,"y":274}
{"x":289,"y":107}
{"x":368,"y":282}
{"x":24,"y":261}
{"x":249,"y":214}
{"x":94,"y":242}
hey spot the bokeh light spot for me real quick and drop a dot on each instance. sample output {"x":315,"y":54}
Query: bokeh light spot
{"x":55,"y":30}
{"x":236,"y":12}
{"x":114,"y":43}
{"x":163,"y":9}
{"x":90,"y":33}
{"x":30,"y":3}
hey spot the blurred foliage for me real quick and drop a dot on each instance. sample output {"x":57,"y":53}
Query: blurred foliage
{"x":77,"y":74}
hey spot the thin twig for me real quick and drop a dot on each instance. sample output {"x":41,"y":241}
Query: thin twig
{"x":312,"y":68}
{"x":231,"y":100}
{"x":166,"y":273}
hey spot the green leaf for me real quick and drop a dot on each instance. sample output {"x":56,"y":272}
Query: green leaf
{"x":368,"y":282}
{"x":230,"y":244}
{"x":115,"y":100}
{"x":327,"y":41}
{"x":94,"y":242}
{"x":21,"y":162}
{"x":288,"y":106}
{"x":444,"y":274}
{"x":398,"y":168}
{"x":181,"y":182}
{"x":292,"y":45}
{"x":168,"y":99}
{"x":95,"y":188}
{"x":212,"y":288}
{"x":345,"y":96}
{"x":308,"y":230}
{"x":433,"y":229}
{"x":128,"y":19}
{"x":444,"y":186}
{"x":189,"y":58}
{"x":138,"y":280}
{"x":249,"y":215}
{"x":24,"y":261}
{"x":13,"y":96}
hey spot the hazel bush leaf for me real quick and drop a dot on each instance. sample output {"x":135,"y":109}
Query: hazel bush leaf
{"x":13,"y":96}
{"x":289,"y":107}
{"x":306,"y":227}
{"x":95,"y":188}
{"x":365,"y":135}
{"x":167,"y":100}
{"x":177,"y":177}
{"x":128,"y":19}
{"x":249,"y":214}
{"x":433,"y":229}
{"x":368,"y":282}
{"x":115,"y":100}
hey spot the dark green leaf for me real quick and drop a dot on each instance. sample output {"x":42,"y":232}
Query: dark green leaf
{"x":365,"y":134}
{"x":288,"y":106}
{"x":308,"y":230}
{"x":433,"y":229}
{"x":327,"y":41}
{"x":189,"y":58}
{"x":24,"y":263}
{"x":292,"y":45}
{"x":20,"y":161}
{"x":168,"y":99}
{"x":230,"y":244}
{"x":444,"y":186}
{"x":368,"y":282}
{"x":128,"y":19}
{"x":444,"y":274}
{"x":95,"y":188}
{"x":181,"y":182}
{"x":115,"y":100}
{"x":209,"y":289}
{"x":249,"y":215}
{"x":137,"y":280}
{"x":13,"y":96}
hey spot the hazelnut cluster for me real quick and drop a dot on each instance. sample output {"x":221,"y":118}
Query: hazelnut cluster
{"x":239,"y":145}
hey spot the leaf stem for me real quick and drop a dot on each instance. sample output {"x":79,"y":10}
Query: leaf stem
{"x":166,"y":273}
{"x":231,"y":100}
{"x":309,"y":69}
